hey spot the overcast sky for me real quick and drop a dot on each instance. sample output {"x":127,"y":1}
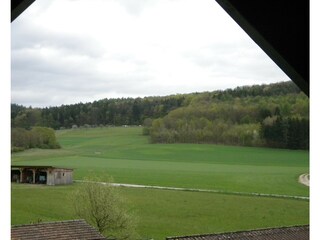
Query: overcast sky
{"x":67,"y":51}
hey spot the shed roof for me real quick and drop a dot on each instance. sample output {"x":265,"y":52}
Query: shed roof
{"x":38,"y":167}
{"x":283,"y":233}
{"x":64,"y":230}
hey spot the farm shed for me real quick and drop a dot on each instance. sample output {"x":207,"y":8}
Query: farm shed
{"x":64,"y":230}
{"x":41,"y":175}
{"x":282,"y":233}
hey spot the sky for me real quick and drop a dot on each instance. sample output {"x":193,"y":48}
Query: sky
{"x":71,"y":51}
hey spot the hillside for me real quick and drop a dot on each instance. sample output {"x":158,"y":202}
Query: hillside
{"x":273,"y":116}
{"x":259,"y":115}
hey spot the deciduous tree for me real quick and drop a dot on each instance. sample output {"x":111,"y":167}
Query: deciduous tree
{"x":101,"y":205}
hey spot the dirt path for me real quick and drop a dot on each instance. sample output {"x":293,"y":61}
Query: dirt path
{"x":202,"y":190}
{"x":305,"y":179}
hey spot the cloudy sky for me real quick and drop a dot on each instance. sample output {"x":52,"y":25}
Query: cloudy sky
{"x":67,"y":51}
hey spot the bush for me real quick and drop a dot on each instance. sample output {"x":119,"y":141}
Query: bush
{"x":38,"y":137}
{"x":17,"y":149}
{"x":47,"y":138}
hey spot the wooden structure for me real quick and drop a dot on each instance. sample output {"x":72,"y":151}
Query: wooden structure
{"x":64,"y":230}
{"x":41,"y":175}
{"x":282,"y":233}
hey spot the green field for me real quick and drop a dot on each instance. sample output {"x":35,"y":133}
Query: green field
{"x":127,"y":156}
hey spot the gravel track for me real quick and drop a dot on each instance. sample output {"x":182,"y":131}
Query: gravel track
{"x":202,"y":190}
{"x":304,"y":179}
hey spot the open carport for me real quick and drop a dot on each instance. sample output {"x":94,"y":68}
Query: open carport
{"x":48,"y":175}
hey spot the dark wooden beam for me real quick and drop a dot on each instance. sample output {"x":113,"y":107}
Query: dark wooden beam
{"x":18,"y":6}
{"x":281,"y":29}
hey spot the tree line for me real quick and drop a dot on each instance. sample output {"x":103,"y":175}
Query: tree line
{"x":291,"y":132}
{"x":239,"y":117}
{"x":37,"y":137}
{"x":249,"y":115}
{"x":116,"y":112}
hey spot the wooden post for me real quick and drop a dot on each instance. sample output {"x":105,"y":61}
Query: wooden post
{"x":34,"y":176}
{"x":21,"y":173}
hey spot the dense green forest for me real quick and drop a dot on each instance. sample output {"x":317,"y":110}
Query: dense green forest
{"x":274,"y":115}
{"x":117,"y":112}
{"x":37,"y":137}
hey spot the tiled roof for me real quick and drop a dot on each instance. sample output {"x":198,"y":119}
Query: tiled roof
{"x":65,"y":230}
{"x":283,"y":233}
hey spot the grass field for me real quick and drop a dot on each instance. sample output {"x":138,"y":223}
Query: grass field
{"x":163,"y":213}
{"x":127,"y":156}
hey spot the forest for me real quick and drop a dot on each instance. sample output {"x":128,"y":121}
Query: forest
{"x":273,"y":115}
{"x":37,"y":137}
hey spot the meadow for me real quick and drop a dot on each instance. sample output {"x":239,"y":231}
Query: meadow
{"x":125,"y":154}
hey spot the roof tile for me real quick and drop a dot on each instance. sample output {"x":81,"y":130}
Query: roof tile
{"x":283,"y":233}
{"x":64,"y":230}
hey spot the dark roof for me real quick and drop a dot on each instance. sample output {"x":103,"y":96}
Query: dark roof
{"x":65,"y":230}
{"x":38,"y":167}
{"x":283,"y":233}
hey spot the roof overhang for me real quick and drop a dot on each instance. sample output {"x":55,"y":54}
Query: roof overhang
{"x":281,"y":29}
{"x":18,"y":6}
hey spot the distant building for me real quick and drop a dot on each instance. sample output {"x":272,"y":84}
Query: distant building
{"x":282,"y":233}
{"x":41,"y":175}
{"x":64,"y":230}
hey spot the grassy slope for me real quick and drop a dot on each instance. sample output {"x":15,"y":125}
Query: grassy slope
{"x":126,"y":155}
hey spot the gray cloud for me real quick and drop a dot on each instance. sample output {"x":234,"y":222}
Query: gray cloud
{"x":241,"y":59}
{"x":43,"y":81}
{"x":27,"y":36}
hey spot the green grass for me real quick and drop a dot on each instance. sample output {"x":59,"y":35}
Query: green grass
{"x":29,"y":203}
{"x":127,"y":156}
{"x":164,"y":213}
